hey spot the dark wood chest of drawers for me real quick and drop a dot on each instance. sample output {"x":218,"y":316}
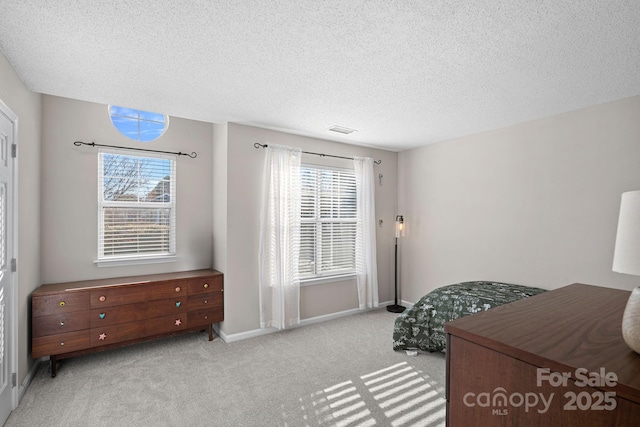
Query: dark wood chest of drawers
{"x":70,"y":319}
{"x":554,"y":359}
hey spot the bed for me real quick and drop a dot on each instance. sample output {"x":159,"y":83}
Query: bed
{"x":421,"y":327}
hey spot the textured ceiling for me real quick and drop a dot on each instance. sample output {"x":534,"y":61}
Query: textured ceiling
{"x":403,"y":73}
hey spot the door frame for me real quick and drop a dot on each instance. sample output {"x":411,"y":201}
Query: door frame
{"x":13,"y":313}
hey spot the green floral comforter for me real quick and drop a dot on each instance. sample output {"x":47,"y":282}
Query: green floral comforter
{"x":422,"y":326}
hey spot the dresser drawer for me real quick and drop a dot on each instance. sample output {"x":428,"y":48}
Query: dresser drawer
{"x":87,"y":316}
{"x":203,"y":285}
{"x":110,"y":296}
{"x":59,"y":323}
{"x":64,"y":302}
{"x":166,"y":306}
{"x":164,"y":290}
{"x":58,"y":344}
{"x":203,"y":301}
{"x":161,"y":325}
{"x":117,"y":333}
{"x":107,"y":316}
{"x":205,"y":317}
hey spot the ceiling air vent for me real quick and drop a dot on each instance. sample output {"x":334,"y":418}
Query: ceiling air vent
{"x":341,"y":129}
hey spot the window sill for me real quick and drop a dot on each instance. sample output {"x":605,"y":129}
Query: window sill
{"x":124,"y":261}
{"x":329,"y":279}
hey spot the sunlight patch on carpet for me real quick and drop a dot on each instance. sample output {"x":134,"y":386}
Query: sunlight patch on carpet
{"x":398,"y":396}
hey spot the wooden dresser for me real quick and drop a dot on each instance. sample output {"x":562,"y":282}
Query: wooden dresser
{"x":554,"y":359}
{"x":70,"y":319}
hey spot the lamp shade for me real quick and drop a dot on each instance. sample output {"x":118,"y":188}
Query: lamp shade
{"x":400,"y":226}
{"x":626,"y":257}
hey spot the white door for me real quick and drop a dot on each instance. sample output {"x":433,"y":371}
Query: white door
{"x":7,"y":392}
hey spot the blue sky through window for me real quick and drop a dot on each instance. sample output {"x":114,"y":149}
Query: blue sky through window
{"x":138,"y":125}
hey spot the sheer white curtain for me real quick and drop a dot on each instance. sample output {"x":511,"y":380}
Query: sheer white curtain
{"x":366,"y":265}
{"x":280,"y":238}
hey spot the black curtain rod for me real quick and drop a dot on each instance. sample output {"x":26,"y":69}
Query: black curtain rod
{"x":193,"y":155}
{"x":258,"y":145}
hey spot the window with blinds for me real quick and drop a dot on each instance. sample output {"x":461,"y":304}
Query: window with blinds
{"x":328,"y":222}
{"x":137,"y":205}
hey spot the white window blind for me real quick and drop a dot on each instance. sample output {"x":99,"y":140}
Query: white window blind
{"x":328,"y":222}
{"x":137,"y":205}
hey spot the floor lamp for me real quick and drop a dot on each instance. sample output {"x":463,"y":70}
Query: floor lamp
{"x":400,"y":229}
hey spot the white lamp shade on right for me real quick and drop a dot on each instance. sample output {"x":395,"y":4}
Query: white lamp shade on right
{"x":626,"y":258}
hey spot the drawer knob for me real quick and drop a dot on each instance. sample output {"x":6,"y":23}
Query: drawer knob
{"x":61,"y":323}
{"x":178,"y":303}
{"x":178,"y":322}
{"x":206,"y":286}
{"x":178,"y":289}
{"x":102,"y":336}
{"x":102,"y":298}
{"x":62,"y":303}
{"x":62,"y":343}
{"x":206,"y":317}
{"x":102,"y":315}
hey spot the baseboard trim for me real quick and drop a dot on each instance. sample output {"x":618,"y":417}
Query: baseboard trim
{"x":30,"y":376}
{"x":407,"y":304}
{"x":229,"y":338}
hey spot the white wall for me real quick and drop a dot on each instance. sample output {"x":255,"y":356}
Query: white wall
{"x":27,"y":106}
{"x":241,"y":211}
{"x":220,"y":184}
{"x":69,"y":191}
{"x":218,"y":205}
{"x":535,"y":204}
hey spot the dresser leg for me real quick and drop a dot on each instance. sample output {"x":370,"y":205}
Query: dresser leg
{"x":53,"y":366}
{"x":210,"y":332}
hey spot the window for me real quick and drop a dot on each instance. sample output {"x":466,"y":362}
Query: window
{"x":137,"y":206}
{"x":328,"y":222}
{"x":138,"y":125}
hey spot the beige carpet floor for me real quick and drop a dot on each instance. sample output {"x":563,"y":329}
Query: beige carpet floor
{"x":341,"y":372}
